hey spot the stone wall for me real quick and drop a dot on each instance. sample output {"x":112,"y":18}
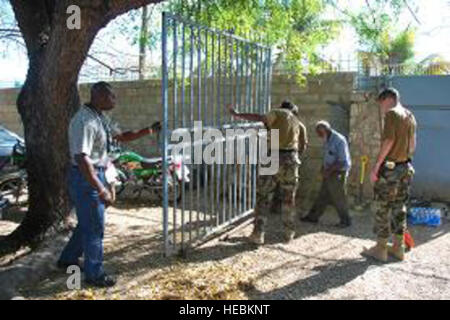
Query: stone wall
{"x":365,"y":137}
{"x":9,"y":117}
{"x":328,"y":96}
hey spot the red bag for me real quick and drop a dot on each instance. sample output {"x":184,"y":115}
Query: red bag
{"x":409,"y":241}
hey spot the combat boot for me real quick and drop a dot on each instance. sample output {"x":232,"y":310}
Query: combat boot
{"x":257,"y":238}
{"x":379,"y":251}
{"x":397,"y":250}
{"x":289,"y":235}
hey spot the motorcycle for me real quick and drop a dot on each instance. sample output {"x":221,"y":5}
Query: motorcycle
{"x":142,"y":174}
{"x":13,"y":183}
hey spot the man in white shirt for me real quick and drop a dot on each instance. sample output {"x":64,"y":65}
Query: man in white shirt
{"x":90,"y":139}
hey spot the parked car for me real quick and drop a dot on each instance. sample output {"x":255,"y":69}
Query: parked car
{"x":13,"y":177}
{"x":8,"y":140}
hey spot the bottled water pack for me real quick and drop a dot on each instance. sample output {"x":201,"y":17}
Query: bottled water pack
{"x":425,"y":216}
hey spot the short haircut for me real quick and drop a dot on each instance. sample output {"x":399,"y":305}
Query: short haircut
{"x":286,"y":104}
{"x":389,"y":93}
{"x":323,"y":124}
{"x":100,"y":87}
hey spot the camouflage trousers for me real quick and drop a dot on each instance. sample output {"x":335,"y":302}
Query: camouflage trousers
{"x":282,"y":185}
{"x":392,"y":192}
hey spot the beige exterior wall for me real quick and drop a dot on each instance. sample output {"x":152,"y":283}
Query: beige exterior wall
{"x":328,"y":96}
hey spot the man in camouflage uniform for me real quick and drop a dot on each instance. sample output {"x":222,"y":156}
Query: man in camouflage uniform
{"x":392,"y":175}
{"x":292,"y":143}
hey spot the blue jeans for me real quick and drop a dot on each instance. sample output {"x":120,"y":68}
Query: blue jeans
{"x":87,"y":237}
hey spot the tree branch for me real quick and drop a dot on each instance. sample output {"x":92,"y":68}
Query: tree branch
{"x":119,"y":7}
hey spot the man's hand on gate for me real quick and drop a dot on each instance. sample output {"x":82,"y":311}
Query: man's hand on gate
{"x":156,"y":127}
{"x":230,"y":109}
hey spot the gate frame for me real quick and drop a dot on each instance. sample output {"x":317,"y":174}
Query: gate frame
{"x":264,"y":92}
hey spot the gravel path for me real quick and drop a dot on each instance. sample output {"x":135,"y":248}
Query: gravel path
{"x":321,"y":263}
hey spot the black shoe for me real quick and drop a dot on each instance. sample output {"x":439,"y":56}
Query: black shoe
{"x":64,"y":265}
{"x":104,"y":281}
{"x":343,"y":225}
{"x":309,"y":219}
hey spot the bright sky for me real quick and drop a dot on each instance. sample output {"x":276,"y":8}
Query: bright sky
{"x":432,"y":38}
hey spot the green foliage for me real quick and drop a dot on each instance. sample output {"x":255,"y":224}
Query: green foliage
{"x":381,"y":32}
{"x":294,"y":28}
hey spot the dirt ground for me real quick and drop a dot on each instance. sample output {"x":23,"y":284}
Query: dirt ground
{"x":321,"y":263}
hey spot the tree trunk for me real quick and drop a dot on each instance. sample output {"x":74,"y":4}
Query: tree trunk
{"x":49,"y":98}
{"x":143,"y":38}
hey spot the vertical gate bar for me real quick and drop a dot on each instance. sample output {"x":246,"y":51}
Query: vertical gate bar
{"x":237,"y":104}
{"x":219,"y":75}
{"x":206,"y":122}
{"x":165,"y":97}
{"x":264,"y":80}
{"x":199,"y":118}
{"x":248,"y":103}
{"x":232,"y":101}
{"x":206,"y":72}
{"x":219,"y":92}
{"x":260,"y":75}
{"x":175,"y":125}
{"x":234,"y":179}
{"x":224,"y":101}
{"x":213,"y":119}
{"x":263,"y":66}
{"x":257,"y":73}
{"x":243,"y":177}
{"x":191,"y":72}
{"x":231,"y":166}
{"x":242,"y":96}
{"x":269,"y":88}
{"x":247,"y":79}
{"x":224,"y":185}
{"x":183,"y":77}
{"x":191,"y":124}
{"x":183,"y":125}
{"x":252,"y":78}
{"x":175,"y":74}
{"x":213,"y":78}
{"x":238,"y":78}
{"x":217,"y":192}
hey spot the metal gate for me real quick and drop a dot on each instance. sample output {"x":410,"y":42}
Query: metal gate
{"x":203,"y":71}
{"x":429,"y":99}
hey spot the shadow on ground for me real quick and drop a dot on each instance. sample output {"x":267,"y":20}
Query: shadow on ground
{"x":133,"y":253}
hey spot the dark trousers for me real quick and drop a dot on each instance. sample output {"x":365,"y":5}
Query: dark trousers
{"x":87,"y":238}
{"x":332,"y":192}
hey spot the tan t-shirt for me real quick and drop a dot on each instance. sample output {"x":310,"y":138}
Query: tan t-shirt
{"x":400,"y":126}
{"x":292,"y":132}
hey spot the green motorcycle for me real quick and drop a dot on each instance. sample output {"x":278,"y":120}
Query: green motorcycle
{"x":139,"y":175}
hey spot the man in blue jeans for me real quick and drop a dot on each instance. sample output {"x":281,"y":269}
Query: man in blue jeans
{"x":90,"y":138}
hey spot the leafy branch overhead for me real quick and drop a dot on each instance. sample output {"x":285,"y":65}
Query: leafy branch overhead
{"x":384,"y":35}
{"x":296,"y":28}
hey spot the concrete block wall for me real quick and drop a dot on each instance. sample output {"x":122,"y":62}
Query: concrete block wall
{"x":325,"y":97}
{"x":328,"y":97}
{"x":9,"y":117}
{"x":365,"y":139}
